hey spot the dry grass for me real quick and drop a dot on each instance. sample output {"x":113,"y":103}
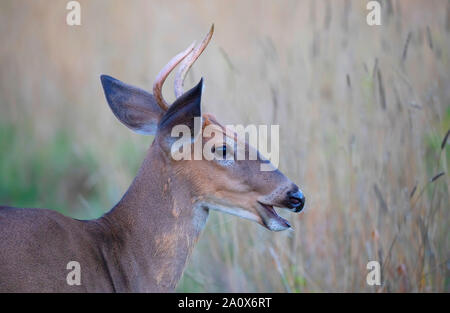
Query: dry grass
{"x":363,"y":113}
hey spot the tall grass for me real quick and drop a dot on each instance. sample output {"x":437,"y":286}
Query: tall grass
{"x":363,"y":113}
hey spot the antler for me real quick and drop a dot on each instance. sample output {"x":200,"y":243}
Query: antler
{"x":162,"y":75}
{"x":187,"y":63}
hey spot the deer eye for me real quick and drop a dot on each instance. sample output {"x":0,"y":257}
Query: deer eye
{"x":223,"y":155}
{"x":221,"y":151}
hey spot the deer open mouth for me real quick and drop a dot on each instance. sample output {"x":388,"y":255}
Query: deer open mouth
{"x":271,"y":219}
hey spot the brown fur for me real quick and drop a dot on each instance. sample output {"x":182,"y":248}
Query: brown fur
{"x":138,"y":246}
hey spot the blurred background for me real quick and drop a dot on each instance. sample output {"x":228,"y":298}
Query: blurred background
{"x":363,"y":112}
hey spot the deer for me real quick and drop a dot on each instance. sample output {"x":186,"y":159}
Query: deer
{"x":143,"y":243}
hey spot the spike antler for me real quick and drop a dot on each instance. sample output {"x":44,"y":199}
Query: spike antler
{"x":162,"y":75}
{"x":187,"y":63}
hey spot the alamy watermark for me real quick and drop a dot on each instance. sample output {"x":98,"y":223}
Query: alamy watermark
{"x":374,"y":276}
{"x":235,"y":142}
{"x":73,"y":278}
{"x":74,"y":16}
{"x":374,"y":16}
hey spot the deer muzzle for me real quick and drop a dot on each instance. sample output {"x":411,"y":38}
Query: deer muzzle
{"x":295,"y":200}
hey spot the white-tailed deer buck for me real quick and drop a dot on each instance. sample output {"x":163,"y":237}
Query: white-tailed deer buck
{"x":142,"y":244}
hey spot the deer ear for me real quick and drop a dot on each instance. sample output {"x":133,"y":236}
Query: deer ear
{"x":184,"y":111}
{"x":134,"y":107}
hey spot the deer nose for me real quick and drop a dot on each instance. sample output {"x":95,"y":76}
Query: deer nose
{"x":296,"y":200}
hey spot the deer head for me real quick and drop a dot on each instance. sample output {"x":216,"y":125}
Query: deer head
{"x":226,"y":184}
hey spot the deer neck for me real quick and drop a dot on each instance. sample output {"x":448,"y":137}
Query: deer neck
{"x":156,"y":225}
